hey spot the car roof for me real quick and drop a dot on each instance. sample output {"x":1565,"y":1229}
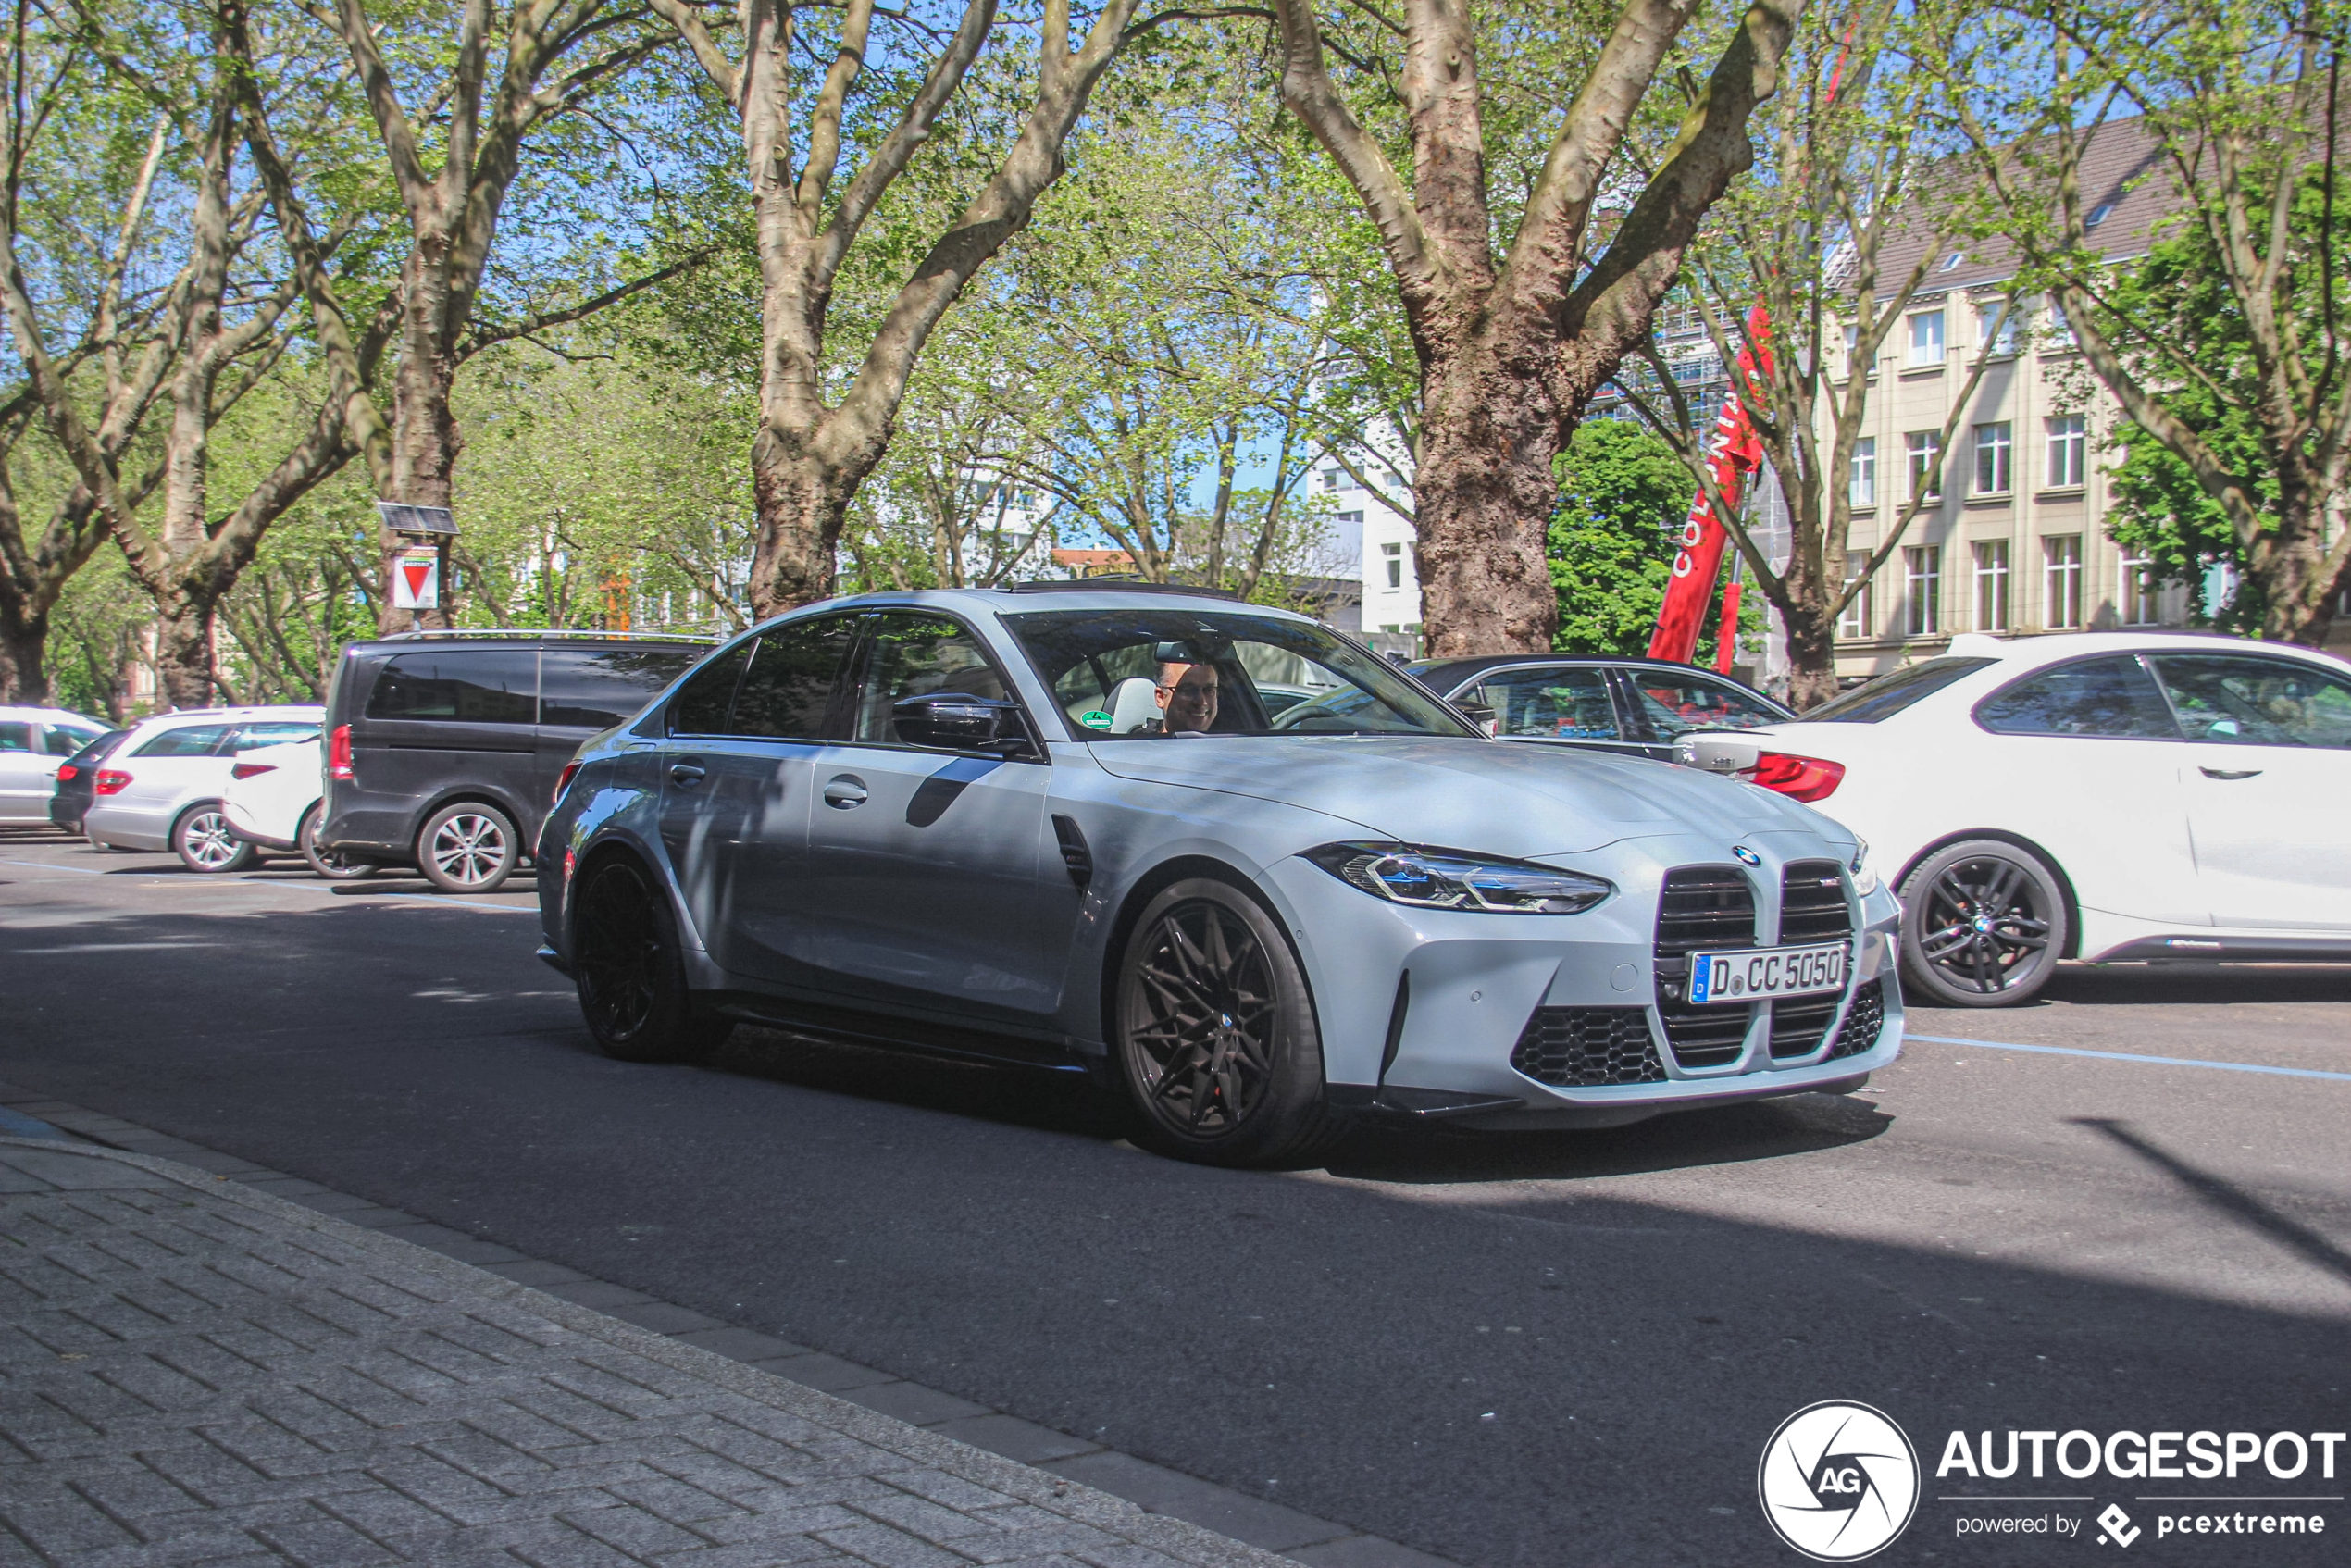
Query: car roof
{"x":194,"y":716}
{"x":30,"y":713}
{"x":1484,"y":662}
{"x":1020,"y":598}
{"x":2048,"y":648}
{"x":409,"y":642}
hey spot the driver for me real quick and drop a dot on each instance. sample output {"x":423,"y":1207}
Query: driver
{"x":1186,"y":697}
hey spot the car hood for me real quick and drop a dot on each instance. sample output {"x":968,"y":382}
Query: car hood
{"x":1497,"y":797}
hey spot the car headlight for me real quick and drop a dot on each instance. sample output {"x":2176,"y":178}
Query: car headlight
{"x":1864,"y":869}
{"x":1427,"y":878}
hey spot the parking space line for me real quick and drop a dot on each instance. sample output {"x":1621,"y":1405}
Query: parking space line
{"x":2134,"y":1056}
{"x":439,"y":901}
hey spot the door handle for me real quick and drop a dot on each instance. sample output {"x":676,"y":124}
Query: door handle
{"x":686,"y":773}
{"x":845,"y":793}
{"x":2224,"y":773}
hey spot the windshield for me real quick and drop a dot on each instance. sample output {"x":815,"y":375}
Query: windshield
{"x":1889,"y":694}
{"x":1121,"y":675}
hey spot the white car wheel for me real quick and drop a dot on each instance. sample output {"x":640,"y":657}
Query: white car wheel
{"x":202,"y":840}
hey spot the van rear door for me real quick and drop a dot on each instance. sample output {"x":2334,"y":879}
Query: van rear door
{"x":583,"y":689}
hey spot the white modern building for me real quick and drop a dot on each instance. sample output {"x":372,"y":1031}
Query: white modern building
{"x":1372,"y":542}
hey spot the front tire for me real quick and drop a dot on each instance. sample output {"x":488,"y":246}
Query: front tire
{"x":338,"y":866}
{"x":1216,"y":1038}
{"x":1984,"y":922}
{"x":202,"y":840}
{"x":468,"y":847}
{"x":632,"y":973}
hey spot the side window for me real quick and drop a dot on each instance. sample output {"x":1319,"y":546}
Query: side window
{"x":250,"y":735}
{"x":1551,"y":704}
{"x":1670,"y":703}
{"x":16,"y":737}
{"x":702,"y":704}
{"x":63,"y":742}
{"x":459,"y":686}
{"x":597,"y":688}
{"x":916,"y":655}
{"x":188,"y":741}
{"x":794,"y":678}
{"x":2254,"y":701}
{"x":2112,"y":697}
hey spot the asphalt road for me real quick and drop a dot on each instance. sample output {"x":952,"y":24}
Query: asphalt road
{"x":1557,"y":1349}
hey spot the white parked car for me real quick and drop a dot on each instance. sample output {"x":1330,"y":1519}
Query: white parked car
{"x":2109,"y":796}
{"x":35,"y":742}
{"x":160,"y":789}
{"x":271,"y":802}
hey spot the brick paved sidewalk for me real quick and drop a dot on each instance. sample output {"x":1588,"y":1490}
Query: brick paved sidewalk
{"x":194,"y":1373}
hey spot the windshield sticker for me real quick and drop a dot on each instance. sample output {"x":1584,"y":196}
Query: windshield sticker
{"x":1095,"y":719}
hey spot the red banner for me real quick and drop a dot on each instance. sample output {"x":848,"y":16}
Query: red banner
{"x":1733,"y":453}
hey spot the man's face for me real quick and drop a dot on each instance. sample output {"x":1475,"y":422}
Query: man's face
{"x":1186,"y":696}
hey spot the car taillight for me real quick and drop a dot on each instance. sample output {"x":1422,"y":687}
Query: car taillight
{"x":112,"y":782}
{"x":339,"y":753}
{"x":1803,"y":778}
{"x":252,"y":769}
{"x":69,"y":772}
{"x":563,"y":782}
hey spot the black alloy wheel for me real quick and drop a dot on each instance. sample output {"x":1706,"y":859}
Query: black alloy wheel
{"x":339,"y":865}
{"x":1983,"y":924}
{"x":632,"y":977}
{"x":1216,"y":1037}
{"x":203,"y":841}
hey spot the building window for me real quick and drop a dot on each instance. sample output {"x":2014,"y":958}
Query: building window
{"x":2061,"y":330}
{"x":1331,"y":478}
{"x":2061,"y":584}
{"x":1859,"y":618}
{"x":1926,"y":338}
{"x":1923,"y":584}
{"x":1394,"y":555}
{"x":1993,"y":445}
{"x":1861,"y":486}
{"x":1996,"y":321}
{"x":2068,"y":443}
{"x":1925,"y":451}
{"x":1992,"y":585}
{"x":2141,"y":594}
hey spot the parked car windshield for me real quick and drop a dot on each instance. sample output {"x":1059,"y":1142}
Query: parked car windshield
{"x":1889,"y":694}
{"x":1128,"y":674}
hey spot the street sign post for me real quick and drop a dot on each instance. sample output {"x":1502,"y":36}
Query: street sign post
{"x":418,"y":569}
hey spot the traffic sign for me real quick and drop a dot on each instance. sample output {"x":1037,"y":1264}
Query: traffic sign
{"x":415,"y":580}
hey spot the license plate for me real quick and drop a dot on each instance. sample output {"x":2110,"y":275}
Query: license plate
{"x":1763,"y":973}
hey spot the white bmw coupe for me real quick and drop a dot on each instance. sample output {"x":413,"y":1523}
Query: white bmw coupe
{"x":2110,"y":796}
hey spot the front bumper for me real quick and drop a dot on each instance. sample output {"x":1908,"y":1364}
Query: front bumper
{"x":1421,"y":1011}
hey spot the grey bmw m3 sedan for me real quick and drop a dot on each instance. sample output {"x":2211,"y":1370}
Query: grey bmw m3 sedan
{"x":1218,"y":856}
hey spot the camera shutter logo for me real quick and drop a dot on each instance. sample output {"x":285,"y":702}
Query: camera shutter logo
{"x":1839,"y":1481}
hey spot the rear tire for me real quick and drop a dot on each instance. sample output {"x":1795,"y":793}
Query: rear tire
{"x":338,"y":866}
{"x":630,"y":970}
{"x":202,"y":840}
{"x":468,"y":847}
{"x":1984,"y":922}
{"x":1215,"y":1033}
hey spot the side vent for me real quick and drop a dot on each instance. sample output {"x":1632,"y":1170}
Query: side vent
{"x":1075,"y":855}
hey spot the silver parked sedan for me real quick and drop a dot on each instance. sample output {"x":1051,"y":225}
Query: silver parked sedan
{"x":1215,"y":855}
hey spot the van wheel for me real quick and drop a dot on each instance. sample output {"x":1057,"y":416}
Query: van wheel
{"x":1216,"y":1038}
{"x":1983,"y":924}
{"x":632,"y":979}
{"x":468,"y":847}
{"x":202,"y":840}
{"x":338,"y":866}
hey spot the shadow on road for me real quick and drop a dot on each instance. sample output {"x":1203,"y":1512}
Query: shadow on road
{"x":2228,"y":1199}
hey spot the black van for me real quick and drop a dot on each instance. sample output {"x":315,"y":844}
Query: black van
{"x":443,"y":748}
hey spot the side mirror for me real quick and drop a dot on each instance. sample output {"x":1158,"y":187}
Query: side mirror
{"x":1481,"y":715}
{"x":1717,"y":752}
{"x":955,"y":721}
